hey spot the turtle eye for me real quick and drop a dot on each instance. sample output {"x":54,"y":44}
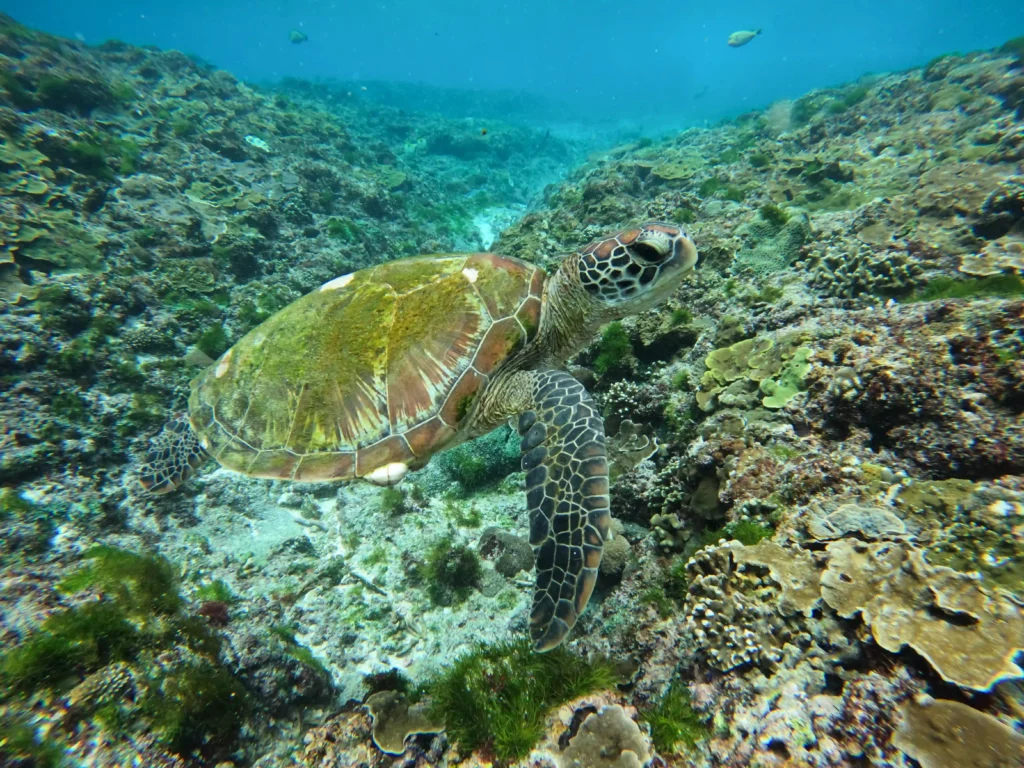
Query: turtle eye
{"x":650,"y":251}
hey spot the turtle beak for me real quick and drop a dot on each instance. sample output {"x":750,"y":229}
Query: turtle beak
{"x":686,"y":252}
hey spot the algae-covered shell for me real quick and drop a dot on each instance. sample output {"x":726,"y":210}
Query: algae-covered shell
{"x":377,"y":367}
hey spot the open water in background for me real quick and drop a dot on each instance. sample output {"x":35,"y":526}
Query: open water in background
{"x":662,"y":64}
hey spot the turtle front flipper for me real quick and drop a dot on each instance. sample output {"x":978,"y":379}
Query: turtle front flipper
{"x":172,"y":458}
{"x":566,"y":464}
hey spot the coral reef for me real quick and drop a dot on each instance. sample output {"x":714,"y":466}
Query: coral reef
{"x":816,"y":444}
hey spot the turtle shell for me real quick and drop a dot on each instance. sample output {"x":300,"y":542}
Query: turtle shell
{"x":378,"y":366}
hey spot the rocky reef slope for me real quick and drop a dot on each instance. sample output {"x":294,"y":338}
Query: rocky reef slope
{"x":820,"y":565}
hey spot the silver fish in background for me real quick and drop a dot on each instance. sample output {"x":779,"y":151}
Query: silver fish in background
{"x":297,"y":37}
{"x":744,"y":36}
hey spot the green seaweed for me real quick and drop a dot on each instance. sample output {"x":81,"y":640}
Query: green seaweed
{"x":124,"y":92}
{"x":744,"y":531}
{"x":773,"y":214}
{"x":213,"y":341}
{"x":496,"y":698}
{"x":658,"y":599}
{"x":759,"y":159}
{"x":86,"y":637}
{"x":450,"y":572}
{"x":143,"y":584}
{"x":217,"y":591}
{"x":16,"y":92}
{"x":196,"y":703}
{"x":65,"y":93}
{"x":484,"y":462}
{"x":804,"y":109}
{"x":23,"y":745}
{"x":189,"y":700}
{"x":342,"y":229}
{"x":709,"y":187}
{"x":127,"y":152}
{"x":736,"y":194}
{"x":29,"y":526}
{"x":1001,"y":286}
{"x":393,"y":502}
{"x":681,"y":316}
{"x":90,"y":158}
{"x":730,"y":155}
{"x":183,"y":127}
{"x":613,"y":349}
{"x":1013,"y":47}
{"x":673,"y":720}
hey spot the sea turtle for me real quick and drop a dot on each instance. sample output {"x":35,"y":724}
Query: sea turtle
{"x":375,"y":371}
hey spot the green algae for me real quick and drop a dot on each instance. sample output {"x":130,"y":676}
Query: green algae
{"x":342,"y":229}
{"x":72,"y":93}
{"x":613,"y":349}
{"x":21,"y":744}
{"x":674,"y":721}
{"x":804,"y":109}
{"x":142,"y":584}
{"x":87,"y":637}
{"x":482,"y":463}
{"x":746,"y":532}
{"x":29,"y":527}
{"x":393,"y":502}
{"x":711,"y":186}
{"x":450,"y":572}
{"x":214,"y":341}
{"x":188,"y":700}
{"x":194,"y":703}
{"x":183,"y":127}
{"x":996,"y":286}
{"x":774,"y":215}
{"x":497,"y":697}
{"x":217,"y":591}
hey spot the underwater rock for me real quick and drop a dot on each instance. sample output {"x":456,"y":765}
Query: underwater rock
{"x":395,"y":720}
{"x":869,"y":522}
{"x":939,"y":733}
{"x":608,"y":738}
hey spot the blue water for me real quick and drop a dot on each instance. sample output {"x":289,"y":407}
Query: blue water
{"x":644,"y":60}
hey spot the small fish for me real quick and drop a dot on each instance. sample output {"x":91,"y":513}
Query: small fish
{"x":483,"y":131}
{"x":701,"y":93}
{"x":297,"y":37}
{"x":736,"y":39}
{"x":257,"y":142}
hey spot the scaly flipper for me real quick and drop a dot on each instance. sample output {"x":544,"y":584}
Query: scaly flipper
{"x":173,"y":456}
{"x":566,"y":464}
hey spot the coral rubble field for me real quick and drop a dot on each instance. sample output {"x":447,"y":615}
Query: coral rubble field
{"x":820,"y":565}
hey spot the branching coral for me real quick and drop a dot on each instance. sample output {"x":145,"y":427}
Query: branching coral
{"x":855,"y":269}
{"x":739,"y":599}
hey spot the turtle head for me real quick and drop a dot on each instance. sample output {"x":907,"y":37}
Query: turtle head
{"x":635,"y":269}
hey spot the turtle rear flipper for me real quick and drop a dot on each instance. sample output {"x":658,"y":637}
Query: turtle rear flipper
{"x":566,"y":464}
{"x":173,"y":457}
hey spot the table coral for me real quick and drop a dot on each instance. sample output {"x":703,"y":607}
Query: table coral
{"x":940,"y":733}
{"x":968,"y":634}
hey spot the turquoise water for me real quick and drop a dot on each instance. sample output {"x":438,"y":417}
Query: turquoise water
{"x":658,"y":63}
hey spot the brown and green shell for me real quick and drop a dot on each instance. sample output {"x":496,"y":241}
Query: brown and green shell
{"x":375,"y":367}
